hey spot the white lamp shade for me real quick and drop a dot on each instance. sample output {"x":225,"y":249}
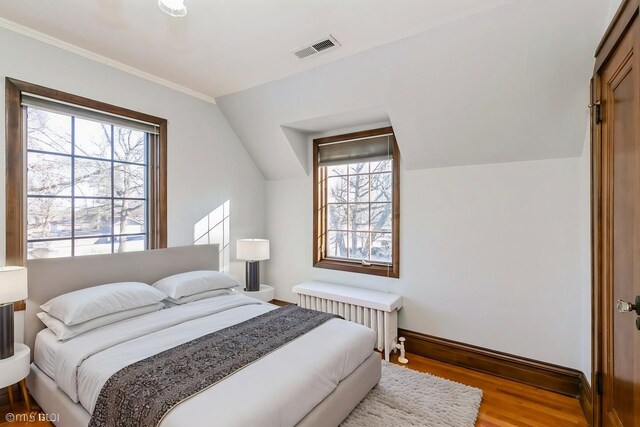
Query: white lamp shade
{"x":13,"y":284}
{"x":252,"y":249}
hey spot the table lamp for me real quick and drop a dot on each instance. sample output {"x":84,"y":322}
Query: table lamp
{"x":252,"y":251}
{"x":13,"y":287}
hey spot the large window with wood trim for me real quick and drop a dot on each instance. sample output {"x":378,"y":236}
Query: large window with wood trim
{"x":357,"y":203}
{"x":89,"y":177}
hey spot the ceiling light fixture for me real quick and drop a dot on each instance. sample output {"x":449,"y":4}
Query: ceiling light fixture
{"x":175,"y":8}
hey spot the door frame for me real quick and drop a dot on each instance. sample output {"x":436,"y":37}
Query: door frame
{"x":624,"y":17}
{"x":596,"y":253}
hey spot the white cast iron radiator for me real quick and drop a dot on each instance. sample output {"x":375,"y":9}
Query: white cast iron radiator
{"x":376,"y":310}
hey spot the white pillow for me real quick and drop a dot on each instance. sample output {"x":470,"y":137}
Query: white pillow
{"x":199,"y":296}
{"x":64,"y":332}
{"x":86,"y":304}
{"x":194,"y":282}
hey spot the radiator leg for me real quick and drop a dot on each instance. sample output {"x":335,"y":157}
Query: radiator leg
{"x":400,"y":346}
{"x":388,"y":337}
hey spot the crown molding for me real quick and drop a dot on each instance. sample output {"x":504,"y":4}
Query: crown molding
{"x":36,"y":35}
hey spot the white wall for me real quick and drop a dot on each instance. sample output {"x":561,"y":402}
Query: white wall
{"x":207,"y":165}
{"x":490,"y":254}
{"x":18,"y":328}
{"x":584,"y":306}
{"x":613,"y":7}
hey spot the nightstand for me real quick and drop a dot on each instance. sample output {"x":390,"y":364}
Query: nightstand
{"x":266,"y":293}
{"x":15,"y":369}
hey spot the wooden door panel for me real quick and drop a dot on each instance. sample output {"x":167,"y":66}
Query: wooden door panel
{"x":624,"y":246}
{"x":620,"y":135}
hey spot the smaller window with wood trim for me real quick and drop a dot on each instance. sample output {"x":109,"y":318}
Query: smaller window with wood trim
{"x":356,"y":221}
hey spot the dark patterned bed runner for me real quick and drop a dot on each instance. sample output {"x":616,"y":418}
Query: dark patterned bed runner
{"x":142,"y":393}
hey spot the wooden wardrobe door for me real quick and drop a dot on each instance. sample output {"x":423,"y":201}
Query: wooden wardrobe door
{"x":620,"y":142}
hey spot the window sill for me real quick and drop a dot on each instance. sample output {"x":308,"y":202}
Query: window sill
{"x":353,"y":267}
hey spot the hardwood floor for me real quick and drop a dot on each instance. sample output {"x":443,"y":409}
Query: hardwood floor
{"x":23,"y":418}
{"x":504,"y":402}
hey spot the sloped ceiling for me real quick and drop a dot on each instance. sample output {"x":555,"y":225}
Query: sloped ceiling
{"x":223,"y":46}
{"x":300,"y":134}
{"x":507,"y":84}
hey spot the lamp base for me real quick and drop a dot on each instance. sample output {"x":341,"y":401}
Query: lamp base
{"x":252,"y":276}
{"x":6,"y":330}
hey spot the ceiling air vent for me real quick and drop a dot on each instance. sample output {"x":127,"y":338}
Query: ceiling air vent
{"x":317,"y":47}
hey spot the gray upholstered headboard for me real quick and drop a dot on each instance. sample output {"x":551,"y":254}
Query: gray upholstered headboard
{"x":49,"y":278}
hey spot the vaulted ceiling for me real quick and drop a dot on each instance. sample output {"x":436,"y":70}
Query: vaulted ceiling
{"x":507,"y":84}
{"x":223,"y":46}
{"x":462,"y":82}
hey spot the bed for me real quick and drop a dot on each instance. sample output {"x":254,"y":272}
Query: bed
{"x":314,"y":380}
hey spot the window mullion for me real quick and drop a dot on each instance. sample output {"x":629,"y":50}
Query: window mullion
{"x":369,"y":217}
{"x":324,"y":211}
{"x":113,"y":219}
{"x":73,"y":186}
{"x":348,"y":215}
{"x":147,"y":213}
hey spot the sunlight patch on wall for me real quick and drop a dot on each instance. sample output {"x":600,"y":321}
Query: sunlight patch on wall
{"x":214,"y":228}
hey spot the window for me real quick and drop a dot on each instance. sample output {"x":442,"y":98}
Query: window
{"x":357,"y":203}
{"x":83,"y":177}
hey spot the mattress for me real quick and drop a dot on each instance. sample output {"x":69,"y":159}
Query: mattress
{"x":277,"y":390}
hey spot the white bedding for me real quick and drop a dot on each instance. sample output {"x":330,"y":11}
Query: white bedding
{"x":278,"y":390}
{"x":44,"y":352}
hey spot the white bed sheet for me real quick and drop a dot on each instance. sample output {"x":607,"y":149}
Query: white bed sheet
{"x":277,"y":390}
{"x":45,"y":350}
{"x":71,"y":355}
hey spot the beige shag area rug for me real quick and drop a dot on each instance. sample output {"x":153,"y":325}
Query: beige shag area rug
{"x":405,"y":397}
